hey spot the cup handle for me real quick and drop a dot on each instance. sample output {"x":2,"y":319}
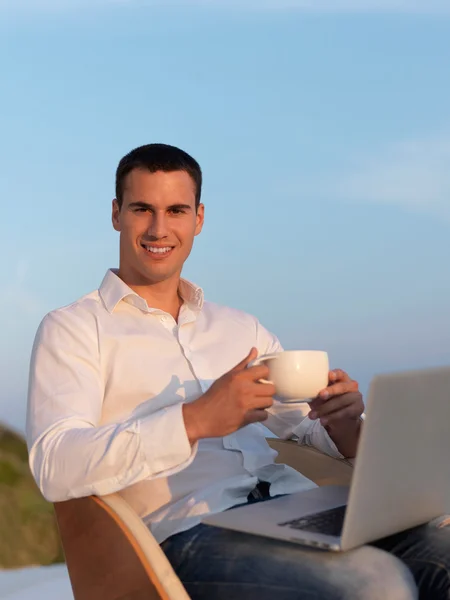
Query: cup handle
{"x":260,"y":360}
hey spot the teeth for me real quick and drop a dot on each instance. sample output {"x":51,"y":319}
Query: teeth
{"x":157,"y":250}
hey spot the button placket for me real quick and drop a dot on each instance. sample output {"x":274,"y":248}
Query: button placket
{"x":167,"y":321}
{"x":184,"y":345}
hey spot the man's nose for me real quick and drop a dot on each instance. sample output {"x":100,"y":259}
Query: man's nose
{"x":158,"y":226}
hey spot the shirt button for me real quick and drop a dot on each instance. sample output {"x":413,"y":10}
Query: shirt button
{"x":164,"y":319}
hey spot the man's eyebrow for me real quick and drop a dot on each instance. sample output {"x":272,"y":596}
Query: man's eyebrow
{"x":142,"y":204}
{"x":180,"y":206}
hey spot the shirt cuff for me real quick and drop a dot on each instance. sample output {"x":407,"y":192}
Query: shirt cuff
{"x":165,"y":442}
{"x":312,"y":433}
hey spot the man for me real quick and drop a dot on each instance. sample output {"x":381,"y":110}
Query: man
{"x":143,"y":388}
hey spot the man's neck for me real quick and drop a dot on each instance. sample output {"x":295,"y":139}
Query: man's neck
{"x":163,"y":295}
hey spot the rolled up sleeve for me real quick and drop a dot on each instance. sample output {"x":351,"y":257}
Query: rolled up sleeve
{"x":290,"y":420}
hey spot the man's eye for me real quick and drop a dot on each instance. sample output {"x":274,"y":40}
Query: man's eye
{"x":177,"y":211}
{"x":140,"y":209}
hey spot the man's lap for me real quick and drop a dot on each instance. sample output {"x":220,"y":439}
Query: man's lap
{"x":218,"y":563}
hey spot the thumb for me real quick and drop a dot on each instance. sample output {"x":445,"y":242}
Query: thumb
{"x":247,"y":360}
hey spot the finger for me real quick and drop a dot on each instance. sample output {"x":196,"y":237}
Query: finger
{"x":336,"y":404}
{"x":256,"y":416}
{"x":247,"y":360}
{"x":261,"y":403}
{"x":337,"y":389}
{"x":316,"y":403}
{"x":326,"y":408}
{"x":338,"y":375}
{"x":258,"y":402}
{"x":349,"y":413}
{"x":262,"y":390}
{"x":256,"y":373}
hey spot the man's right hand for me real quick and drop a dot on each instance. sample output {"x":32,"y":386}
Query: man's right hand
{"x":233,"y":401}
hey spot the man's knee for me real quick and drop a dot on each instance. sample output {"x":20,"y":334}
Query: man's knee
{"x":366,"y":573}
{"x":377,"y":575}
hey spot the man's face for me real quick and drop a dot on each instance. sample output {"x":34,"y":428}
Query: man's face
{"x":157,"y":225}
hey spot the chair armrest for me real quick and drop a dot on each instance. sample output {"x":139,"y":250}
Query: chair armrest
{"x":319,"y":467}
{"x":111,"y":554}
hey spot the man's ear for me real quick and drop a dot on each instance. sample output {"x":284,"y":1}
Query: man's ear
{"x":200,"y":218}
{"x":115,"y":217}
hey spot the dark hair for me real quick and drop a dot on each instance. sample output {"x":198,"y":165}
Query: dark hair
{"x":158,"y":157}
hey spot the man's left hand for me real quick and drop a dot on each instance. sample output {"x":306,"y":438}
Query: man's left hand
{"x":340,"y":402}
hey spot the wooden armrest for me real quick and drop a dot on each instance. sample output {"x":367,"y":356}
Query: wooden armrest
{"x":110,"y":553}
{"x":320,"y":468}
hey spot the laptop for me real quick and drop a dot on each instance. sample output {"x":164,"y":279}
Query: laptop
{"x":400,"y":479}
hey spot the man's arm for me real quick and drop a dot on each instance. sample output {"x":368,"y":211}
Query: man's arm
{"x":346,"y":436}
{"x":70,"y":454}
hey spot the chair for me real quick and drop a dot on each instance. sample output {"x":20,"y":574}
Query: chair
{"x":111,"y":555}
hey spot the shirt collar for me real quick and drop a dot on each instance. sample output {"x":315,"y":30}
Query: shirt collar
{"x":113,"y":290}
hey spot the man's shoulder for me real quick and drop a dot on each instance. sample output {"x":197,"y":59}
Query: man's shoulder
{"x":228,"y":313}
{"x":245,"y":324}
{"x":83,"y":310}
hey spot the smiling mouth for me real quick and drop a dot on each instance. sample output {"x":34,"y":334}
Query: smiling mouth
{"x":158,"y":251}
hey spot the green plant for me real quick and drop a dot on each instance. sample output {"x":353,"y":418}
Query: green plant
{"x":28,"y":530}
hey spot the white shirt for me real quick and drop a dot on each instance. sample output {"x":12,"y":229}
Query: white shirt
{"x":108,"y":379}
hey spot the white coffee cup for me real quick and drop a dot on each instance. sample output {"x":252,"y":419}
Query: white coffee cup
{"x":298,"y":375}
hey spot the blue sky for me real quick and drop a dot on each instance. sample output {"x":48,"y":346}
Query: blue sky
{"x":323,"y":130}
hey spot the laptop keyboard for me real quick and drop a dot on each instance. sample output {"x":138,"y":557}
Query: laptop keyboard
{"x":328,"y":522}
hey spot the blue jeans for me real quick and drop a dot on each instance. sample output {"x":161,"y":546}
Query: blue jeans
{"x":219,"y":564}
